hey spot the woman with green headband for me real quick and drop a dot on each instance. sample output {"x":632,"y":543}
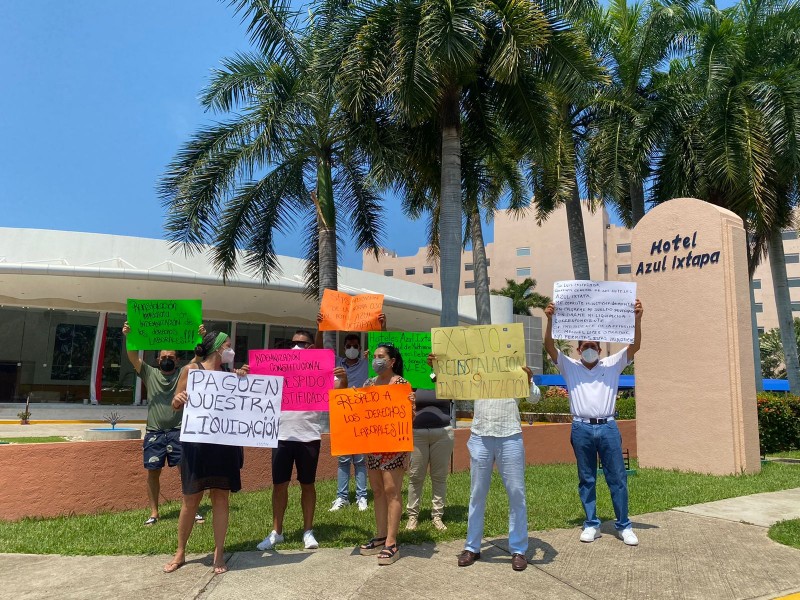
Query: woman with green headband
{"x":212,"y":467}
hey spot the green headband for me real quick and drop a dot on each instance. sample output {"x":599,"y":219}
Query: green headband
{"x":220,"y":339}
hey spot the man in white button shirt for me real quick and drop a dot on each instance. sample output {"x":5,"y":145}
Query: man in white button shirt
{"x":496,"y":439}
{"x":592,"y":385}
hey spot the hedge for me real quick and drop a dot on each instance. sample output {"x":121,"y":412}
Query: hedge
{"x":778,"y":422}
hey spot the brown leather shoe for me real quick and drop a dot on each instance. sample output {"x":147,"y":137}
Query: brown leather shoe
{"x":519,"y":562}
{"x":466,"y":558}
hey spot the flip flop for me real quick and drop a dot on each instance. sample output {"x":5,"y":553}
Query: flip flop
{"x":151,"y":521}
{"x":173,"y":566}
{"x":199,"y":519}
{"x":220,"y":569}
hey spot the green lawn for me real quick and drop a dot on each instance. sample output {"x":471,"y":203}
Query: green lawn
{"x":34,"y":440}
{"x":786,"y":532}
{"x":789,"y":454}
{"x":552,"y":503}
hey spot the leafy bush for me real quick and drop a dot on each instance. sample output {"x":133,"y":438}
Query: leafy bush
{"x":626,"y":407}
{"x":778,"y":422}
{"x":554,"y":400}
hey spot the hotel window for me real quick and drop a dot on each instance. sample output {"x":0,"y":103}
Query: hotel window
{"x":523,"y":271}
{"x":388,"y":272}
{"x":760,"y":330}
{"x":411,"y":271}
{"x":622,"y":248}
{"x":795,"y":306}
{"x":428,"y":285}
{"x":792,"y":259}
{"x":469,"y":285}
{"x":468,"y":267}
{"x":426,"y":270}
{"x":794,"y":281}
{"x":756,"y":284}
{"x":759,"y":307}
{"x":523,"y":251}
{"x":789,"y":234}
{"x":623,"y":269}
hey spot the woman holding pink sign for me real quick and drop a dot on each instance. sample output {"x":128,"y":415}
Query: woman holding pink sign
{"x":386,"y":469}
{"x":212,"y":467}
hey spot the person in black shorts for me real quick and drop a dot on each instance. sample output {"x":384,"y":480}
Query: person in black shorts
{"x":299,"y":434}
{"x":213,"y":467}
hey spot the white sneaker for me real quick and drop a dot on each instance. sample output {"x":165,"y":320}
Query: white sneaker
{"x":269,"y":542}
{"x":338,"y":503}
{"x":627,"y":536}
{"x":362,"y":504}
{"x":309,"y":541}
{"x":590,"y":534}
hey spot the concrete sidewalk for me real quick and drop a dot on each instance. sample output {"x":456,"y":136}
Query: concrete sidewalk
{"x":705,"y":552}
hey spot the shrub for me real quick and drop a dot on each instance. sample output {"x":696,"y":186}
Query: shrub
{"x":554,"y":400}
{"x":626,"y":407}
{"x":778,"y":422}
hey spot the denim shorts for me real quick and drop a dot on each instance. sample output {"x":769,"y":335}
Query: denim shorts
{"x":162,"y":447}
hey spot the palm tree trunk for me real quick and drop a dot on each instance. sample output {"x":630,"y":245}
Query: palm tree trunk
{"x":577,"y":235}
{"x":783,"y":303}
{"x":637,"y":200}
{"x":756,"y":344}
{"x":450,"y":214}
{"x":326,"y":218}
{"x":482,"y":296}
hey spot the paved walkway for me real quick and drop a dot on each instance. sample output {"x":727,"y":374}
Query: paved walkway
{"x":706,"y":552}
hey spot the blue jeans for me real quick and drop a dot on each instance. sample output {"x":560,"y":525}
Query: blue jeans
{"x":343,"y":476}
{"x":588,"y":441}
{"x":509,"y":455}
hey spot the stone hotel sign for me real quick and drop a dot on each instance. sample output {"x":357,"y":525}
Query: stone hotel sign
{"x":695,"y":376}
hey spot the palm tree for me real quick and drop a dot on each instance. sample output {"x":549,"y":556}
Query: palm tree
{"x":523,"y":296}
{"x":556,"y":168}
{"x":236,"y":183}
{"x":733,"y":131}
{"x":422,"y":60}
{"x":637,"y":39}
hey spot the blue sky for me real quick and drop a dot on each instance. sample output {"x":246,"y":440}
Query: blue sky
{"x":98,"y":97}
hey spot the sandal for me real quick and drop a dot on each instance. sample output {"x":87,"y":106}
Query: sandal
{"x":374,"y":546}
{"x":388,"y":555}
{"x":220,"y":569}
{"x":199,"y":519}
{"x":173,"y":566}
{"x":151,"y":521}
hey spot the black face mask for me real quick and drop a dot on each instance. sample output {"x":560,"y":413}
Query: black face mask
{"x":167,"y":365}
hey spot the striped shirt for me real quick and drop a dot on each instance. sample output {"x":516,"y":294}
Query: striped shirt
{"x":496,"y":417}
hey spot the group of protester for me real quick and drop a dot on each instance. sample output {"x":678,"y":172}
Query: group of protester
{"x":496,"y":439}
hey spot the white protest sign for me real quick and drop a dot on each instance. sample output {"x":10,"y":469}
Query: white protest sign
{"x":224,"y":408}
{"x":601,"y":311}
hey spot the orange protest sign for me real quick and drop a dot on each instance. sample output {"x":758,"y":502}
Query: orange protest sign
{"x":343,"y":312}
{"x":372,"y":419}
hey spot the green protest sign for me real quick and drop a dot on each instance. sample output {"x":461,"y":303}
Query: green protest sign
{"x":414,"y":347}
{"x":164,"y":324}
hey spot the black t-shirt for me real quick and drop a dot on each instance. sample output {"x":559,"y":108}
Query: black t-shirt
{"x":431,"y":413}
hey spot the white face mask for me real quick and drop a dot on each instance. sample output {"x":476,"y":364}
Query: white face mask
{"x":590,"y":355}
{"x":297,"y":348}
{"x":352,"y":353}
{"x":227,"y":356}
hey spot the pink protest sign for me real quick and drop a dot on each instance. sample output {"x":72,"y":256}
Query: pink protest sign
{"x":307,"y":375}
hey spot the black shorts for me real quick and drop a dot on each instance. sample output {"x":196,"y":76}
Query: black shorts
{"x":303,"y":454}
{"x":161,"y":447}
